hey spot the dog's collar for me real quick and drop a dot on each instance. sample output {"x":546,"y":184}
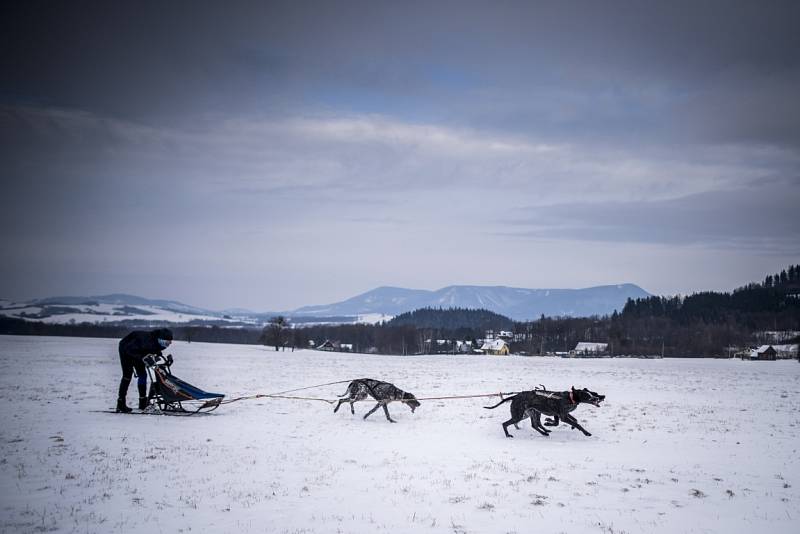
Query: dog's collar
{"x":571,"y":398}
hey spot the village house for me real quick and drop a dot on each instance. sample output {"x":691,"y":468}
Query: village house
{"x":589,"y":349}
{"x":463,"y":346}
{"x":786,"y":352}
{"x":495,"y":346}
{"x":764,"y":352}
{"x":328,"y":345}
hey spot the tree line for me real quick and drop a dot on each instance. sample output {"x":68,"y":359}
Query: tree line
{"x":205,"y":334}
{"x":413,"y":332}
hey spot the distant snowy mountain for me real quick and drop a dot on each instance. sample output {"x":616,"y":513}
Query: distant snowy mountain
{"x":134,"y":311}
{"x":124,"y":300}
{"x":380,"y":304}
{"x":118,"y":309}
{"x":383,"y":300}
{"x":517,"y":303}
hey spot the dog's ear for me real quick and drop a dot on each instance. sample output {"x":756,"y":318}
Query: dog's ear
{"x":573,"y":388}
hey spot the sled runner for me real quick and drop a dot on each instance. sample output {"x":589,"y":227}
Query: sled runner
{"x":170,"y":394}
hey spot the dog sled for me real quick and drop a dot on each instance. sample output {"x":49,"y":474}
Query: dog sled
{"x":172,"y":396}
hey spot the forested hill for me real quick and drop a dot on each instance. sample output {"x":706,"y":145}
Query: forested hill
{"x":760,"y":305}
{"x":453,"y":319}
{"x":708,"y":323}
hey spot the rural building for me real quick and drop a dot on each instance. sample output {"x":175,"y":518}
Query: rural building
{"x":764,"y":352}
{"x":586,"y":348}
{"x":330,"y":346}
{"x":502,"y":334}
{"x":495,"y":346}
{"x":786,"y":352}
{"x":463,"y":346}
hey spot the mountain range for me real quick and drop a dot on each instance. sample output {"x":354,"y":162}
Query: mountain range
{"x":516,"y":303}
{"x":378,"y":304}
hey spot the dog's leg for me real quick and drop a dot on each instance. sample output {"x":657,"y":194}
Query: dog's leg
{"x":553,"y":421}
{"x":512,"y":421}
{"x":338,"y":404}
{"x":518,"y":413}
{"x":529,"y":413}
{"x":536,"y":423}
{"x":539,"y":424}
{"x":359,"y":395}
{"x":386,"y":411}
{"x":575,"y":424}
{"x":372,"y":410}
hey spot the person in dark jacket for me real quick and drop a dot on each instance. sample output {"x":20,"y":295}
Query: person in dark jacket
{"x":132,"y":349}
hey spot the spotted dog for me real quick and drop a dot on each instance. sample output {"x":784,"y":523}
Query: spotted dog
{"x":383,"y":392}
{"x":556,"y":404}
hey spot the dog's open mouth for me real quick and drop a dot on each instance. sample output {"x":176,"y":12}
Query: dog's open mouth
{"x":597,"y":400}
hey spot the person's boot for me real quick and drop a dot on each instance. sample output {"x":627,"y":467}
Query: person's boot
{"x":122,"y":407}
{"x":123,"y":392}
{"x":143,"y":400}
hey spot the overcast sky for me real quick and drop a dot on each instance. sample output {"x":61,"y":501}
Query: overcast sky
{"x":278,"y":155}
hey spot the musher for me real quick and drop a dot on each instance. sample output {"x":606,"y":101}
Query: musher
{"x":132,"y":349}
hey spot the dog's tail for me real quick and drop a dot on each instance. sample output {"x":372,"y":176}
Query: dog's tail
{"x":499,"y":403}
{"x":347,"y":391}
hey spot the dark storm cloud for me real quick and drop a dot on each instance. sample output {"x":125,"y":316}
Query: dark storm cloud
{"x":717,"y":70}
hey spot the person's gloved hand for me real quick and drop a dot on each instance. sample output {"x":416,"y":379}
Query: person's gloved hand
{"x":169,"y":359}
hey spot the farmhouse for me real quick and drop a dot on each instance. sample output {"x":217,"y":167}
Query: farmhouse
{"x":495,"y":346}
{"x":464,"y":346}
{"x":764,"y":352}
{"x":329,"y":345}
{"x":786,"y":352}
{"x":585,"y":348}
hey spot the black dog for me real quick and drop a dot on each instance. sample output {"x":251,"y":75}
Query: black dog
{"x":558,"y":405}
{"x":383,"y":392}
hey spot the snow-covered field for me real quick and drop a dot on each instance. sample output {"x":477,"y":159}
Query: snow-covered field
{"x":679,"y":446}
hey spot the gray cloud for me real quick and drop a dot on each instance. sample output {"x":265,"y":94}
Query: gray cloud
{"x":761,"y":218}
{"x":569,"y":67}
{"x":160,"y":148}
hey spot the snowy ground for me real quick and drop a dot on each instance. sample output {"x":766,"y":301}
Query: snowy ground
{"x":679,"y":446}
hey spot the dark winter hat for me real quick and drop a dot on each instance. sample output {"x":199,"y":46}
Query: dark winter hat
{"x":163,"y":333}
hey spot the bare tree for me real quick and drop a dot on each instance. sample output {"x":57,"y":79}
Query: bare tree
{"x":275,"y":332}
